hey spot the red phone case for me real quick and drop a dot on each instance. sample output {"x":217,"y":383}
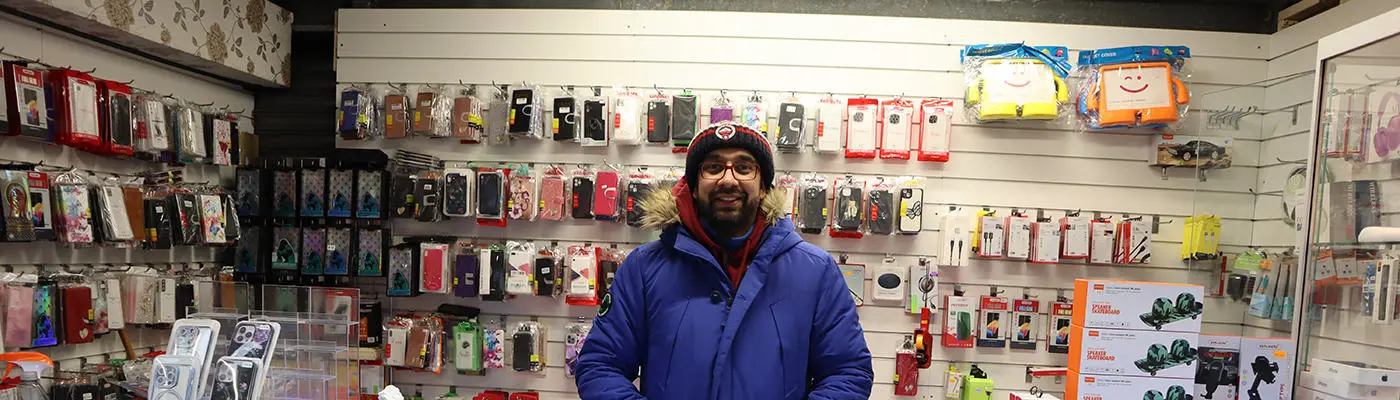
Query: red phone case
{"x":110,"y":117}
{"x":433,"y":261}
{"x":605,"y":195}
{"x":77,"y":315}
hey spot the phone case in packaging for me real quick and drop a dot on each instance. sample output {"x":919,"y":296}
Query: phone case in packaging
{"x":491,"y":196}
{"x":468,"y":123}
{"x":911,"y":207}
{"x":100,"y":322}
{"x":395,"y":345}
{"x":74,"y":222}
{"x":906,"y":373}
{"x":526,"y":117}
{"x":638,"y":187}
{"x":26,"y":102}
{"x":896,"y":129}
{"x":254,"y":339}
{"x":493,"y":345}
{"x":357,"y":116}
{"x":457,"y":192}
{"x":849,"y":207}
{"x":221,"y":131}
{"x":685,"y":117}
{"x":812,"y":205}
{"x":432,"y":113}
{"x":755,"y":115}
{"x":396,"y":122}
{"x":520,"y":279}
{"x":466,"y":339}
{"x":116,"y":224}
{"x":152,"y":130}
{"x":862,"y":128}
{"x":721,"y":111}
{"x":404,"y":205}
{"x":237,"y":378}
{"x":595,"y":122}
{"x":175,"y":377}
{"x":247,"y":255}
{"x":433,"y":268}
{"x":284,"y":193}
{"x":581,"y":285}
{"x":427,"y":193}
{"x":466,"y":270}
{"x":609,"y":260}
{"x":15,"y":207}
{"x":565,"y":125}
{"x":286,"y":248}
{"x":792,"y":126}
{"x":370,"y":253}
{"x":248,"y":186}
{"x":787,"y":188}
{"x":521,"y":205}
{"x":575,"y":335}
{"x":75,"y":109}
{"x":115,"y":113}
{"x":159,"y":223}
{"x":45,"y":317}
{"x":403,"y":277}
{"x":77,"y":314}
{"x":529,"y":340}
{"x":498,"y":121}
{"x":313,"y":192}
{"x":553,"y":194}
{"x":626,"y":117}
{"x":190,"y":137}
{"x":831,"y":125}
{"x":212,"y":219}
{"x":188,"y":229}
{"x":658,"y":119}
{"x":369,"y":189}
{"x":41,"y":205}
{"x":582,"y":189}
{"x":195,"y":338}
{"x":605,"y":195}
{"x":546,"y":272}
{"x":341,"y":191}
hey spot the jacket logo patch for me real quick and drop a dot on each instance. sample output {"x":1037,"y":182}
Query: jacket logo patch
{"x":605,"y":305}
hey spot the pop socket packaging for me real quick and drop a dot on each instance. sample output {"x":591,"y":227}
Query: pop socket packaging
{"x":1133,"y":87}
{"x":25,"y":102}
{"x":1013,"y":81}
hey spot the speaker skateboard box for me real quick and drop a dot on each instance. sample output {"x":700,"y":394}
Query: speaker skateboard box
{"x":1138,"y":305}
{"x":1106,"y":387}
{"x":1121,"y":352}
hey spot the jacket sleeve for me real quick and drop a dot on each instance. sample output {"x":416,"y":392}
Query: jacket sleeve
{"x":612,"y":354}
{"x":840,"y":360}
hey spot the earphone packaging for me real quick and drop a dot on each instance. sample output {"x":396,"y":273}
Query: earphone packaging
{"x":1217,"y":371}
{"x":1269,"y":361}
{"x":1133,"y":353}
{"x":1099,"y":387}
{"x":1138,"y":305}
{"x":958,"y":328}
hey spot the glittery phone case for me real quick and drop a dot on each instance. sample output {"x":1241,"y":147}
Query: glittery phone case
{"x":341,"y":189}
{"x":286,"y":247}
{"x":313,"y":192}
{"x":370,"y":253}
{"x":313,"y":251}
{"x":552,"y":198}
{"x":45,"y":333}
{"x":14,"y":206}
{"x":338,"y":250}
{"x":245,"y":255}
{"x":19,"y":301}
{"x":284,"y":194}
{"x":369,"y":185}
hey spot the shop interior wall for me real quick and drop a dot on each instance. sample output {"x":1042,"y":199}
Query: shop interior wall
{"x":1032,"y":166}
{"x":1341,"y":333}
{"x":24,"y":39}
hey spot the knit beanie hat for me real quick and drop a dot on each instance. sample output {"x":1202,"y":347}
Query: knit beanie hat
{"x":729,"y":135}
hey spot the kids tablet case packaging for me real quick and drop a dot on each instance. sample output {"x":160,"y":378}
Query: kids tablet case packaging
{"x":1133,"y":353}
{"x":1133,"y":87}
{"x":1218,"y":368}
{"x":1013,"y":81}
{"x":1104,"y":387}
{"x":958,"y":326}
{"x":1138,"y":305}
{"x":1266,"y":368}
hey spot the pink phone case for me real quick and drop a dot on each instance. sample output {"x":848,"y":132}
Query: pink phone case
{"x":433,"y":259}
{"x":605,"y":195}
{"x":552,"y":196}
{"x":19,"y":300}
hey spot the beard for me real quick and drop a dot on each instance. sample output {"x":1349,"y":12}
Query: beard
{"x":725,"y":218}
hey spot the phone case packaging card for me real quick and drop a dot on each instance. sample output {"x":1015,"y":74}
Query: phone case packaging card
{"x":1218,"y":367}
{"x":1018,"y":237}
{"x":831,"y":125}
{"x":25,"y":103}
{"x":15,"y":204}
{"x":958,"y":325}
{"x":935,"y":130}
{"x":896,"y":129}
{"x":1132,"y":353}
{"x":789,"y":135}
{"x":1267,"y":362}
{"x":1084,"y":386}
{"x":685,"y":118}
{"x":626,"y":117}
{"x":1101,"y":240}
{"x":1074,"y":237}
{"x":1045,"y":242}
{"x":75,"y":109}
{"x":994,"y":317}
{"x":1138,"y":305}
{"x":520,"y":259}
{"x":991,"y":236}
{"x":658,"y":119}
{"x":1025,"y":318}
{"x":1061,"y":315}
{"x":467,"y":122}
{"x":862,"y":129}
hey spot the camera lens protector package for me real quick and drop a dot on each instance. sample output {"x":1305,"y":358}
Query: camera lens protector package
{"x":432,"y":112}
{"x":812,"y":205}
{"x":553,"y":194}
{"x":882,"y":207}
{"x":935,"y":130}
{"x":685,"y":118}
{"x":491,"y":196}
{"x":359,"y":115}
{"x":521,"y":205}
{"x":1013,"y":81}
{"x":897,"y":129}
{"x":862,"y":127}
{"x":790,"y":133}
{"x":1133,"y":87}
{"x":575,"y":335}
{"x":848,"y":205}
{"x":526,"y":119}
{"x":639,"y":185}
{"x":626,"y":116}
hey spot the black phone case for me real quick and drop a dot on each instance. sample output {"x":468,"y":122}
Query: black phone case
{"x":683,"y":117}
{"x":401,"y":191}
{"x":582,"y":203}
{"x":812,"y":217}
{"x":456,"y":199}
{"x":790,"y":123}
{"x":428,"y":192}
{"x":882,"y":207}
{"x":522,"y":106}
{"x":607,"y":270}
{"x":233,"y":380}
{"x":845,"y":219}
{"x":158,"y":224}
{"x":524,"y":348}
{"x":568,"y":120}
{"x":635,"y":192}
{"x":498,"y":277}
{"x":488,"y":198}
{"x":121,"y":120}
{"x":595,"y":121}
{"x":544,"y":276}
{"x":658,"y":122}
{"x":184,"y":299}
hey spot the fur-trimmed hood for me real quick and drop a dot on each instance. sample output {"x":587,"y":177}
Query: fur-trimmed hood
{"x":662,"y":210}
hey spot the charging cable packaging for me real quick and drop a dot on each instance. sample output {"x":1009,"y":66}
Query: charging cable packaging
{"x":1013,"y":81}
{"x":957,"y":234}
{"x":1025,"y":314}
{"x":953,"y":385}
{"x":991,"y":236}
{"x":1061,"y":316}
{"x":1150,"y":306}
{"x":958,"y":315}
{"x":1133,"y":87}
{"x":520,"y":258}
{"x":1134,"y":242}
{"x":582,"y":283}
{"x":1045,"y":242}
{"x":1018,"y":237}
{"x":1098,"y":386}
{"x":1218,"y":371}
{"x":790,"y":133}
{"x":626,"y":117}
{"x":854,"y":274}
{"x":1095,"y":351}
{"x":863,"y":115}
{"x":923,"y":287}
{"x":896,"y":129}
{"x":991,"y":333}
{"x":935,"y":130}
{"x":890,"y":282}
{"x":1101,"y":238}
{"x":849,"y":207}
{"x":812,"y":205}
{"x":1074,"y":236}
{"x":1266,"y":368}
{"x":831,"y":125}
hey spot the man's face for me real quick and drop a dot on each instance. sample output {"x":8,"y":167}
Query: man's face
{"x":729,"y":191}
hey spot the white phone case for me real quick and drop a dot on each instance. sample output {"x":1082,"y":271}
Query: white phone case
{"x":116,"y":314}
{"x":861,"y":127}
{"x":197,"y":338}
{"x":484,"y":276}
{"x":911,"y":210}
{"x":174,"y":378}
{"x":114,"y":206}
{"x":396,"y":343}
{"x":831,"y":125}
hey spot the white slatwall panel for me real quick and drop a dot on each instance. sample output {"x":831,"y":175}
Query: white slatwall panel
{"x":1027,"y":165}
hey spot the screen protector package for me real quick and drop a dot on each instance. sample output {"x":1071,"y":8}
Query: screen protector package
{"x":848,"y":207}
{"x":24,"y":93}
{"x":812,"y":205}
{"x":491,"y":196}
{"x":526,"y":119}
{"x":359,"y":114}
{"x":897,"y":128}
{"x":1013,"y":81}
{"x":432,"y":112}
{"x":862,"y":127}
{"x":1133,"y":87}
{"x":626,"y":117}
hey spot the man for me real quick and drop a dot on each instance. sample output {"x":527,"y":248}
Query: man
{"x":730,"y":303}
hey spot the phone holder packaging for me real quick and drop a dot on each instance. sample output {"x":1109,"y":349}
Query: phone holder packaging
{"x":958,"y":327}
{"x":1013,"y":81}
{"x":1025,"y":318}
{"x":1133,"y":87}
{"x":1138,"y":305}
{"x":934,"y":131}
{"x":848,"y":206}
{"x":1266,"y":368}
{"x":1217,"y":374}
{"x":626,"y":117}
{"x":432,"y":112}
{"x":25,"y":103}
{"x":359,"y":115}
{"x":862,"y":127}
{"x":897,"y":135}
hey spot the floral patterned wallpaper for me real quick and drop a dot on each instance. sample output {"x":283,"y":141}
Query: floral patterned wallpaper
{"x":246,"y":40}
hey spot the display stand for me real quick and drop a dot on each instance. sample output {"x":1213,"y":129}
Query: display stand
{"x":314,"y":356}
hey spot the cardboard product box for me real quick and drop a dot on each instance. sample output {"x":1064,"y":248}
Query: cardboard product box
{"x":1356,"y":372}
{"x":1060,"y":316}
{"x":1266,"y":368}
{"x":1325,"y":383}
{"x":1218,"y":367}
{"x":959,"y":330}
{"x":1138,"y":305}
{"x":1026,"y":330}
{"x":1029,"y":396}
{"x":996,"y":322}
{"x":1099,"y":351}
{"x":1108,"y":387}
{"x":1170,"y":150}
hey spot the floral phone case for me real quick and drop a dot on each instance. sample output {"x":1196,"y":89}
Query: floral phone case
{"x":235,"y":378}
{"x":522,"y":199}
{"x":75,"y":214}
{"x":342,"y":185}
{"x":211,"y":211}
{"x":253,"y":339}
{"x":313,"y":251}
{"x":338,"y":251}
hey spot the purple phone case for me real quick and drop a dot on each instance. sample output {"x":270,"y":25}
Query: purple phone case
{"x":721,"y":114}
{"x":465,"y":275}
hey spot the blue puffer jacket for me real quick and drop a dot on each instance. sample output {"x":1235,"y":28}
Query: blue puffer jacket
{"x":790,"y":332}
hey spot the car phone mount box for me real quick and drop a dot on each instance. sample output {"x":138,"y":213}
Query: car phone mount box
{"x":1108,"y":387}
{"x":1266,"y":368}
{"x":1132,"y":353}
{"x":1218,"y":367}
{"x":1138,"y":305}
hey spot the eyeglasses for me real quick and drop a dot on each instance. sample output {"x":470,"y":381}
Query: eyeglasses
{"x":743,"y":170}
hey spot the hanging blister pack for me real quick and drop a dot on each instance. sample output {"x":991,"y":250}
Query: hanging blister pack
{"x":313,"y":191}
{"x":18,"y":220}
{"x":340,"y":189}
{"x":1133,"y":87}
{"x":605,"y":194}
{"x":848,"y":206}
{"x":26,"y":102}
{"x":935,"y":130}
{"x":526,"y":119}
{"x":923,"y":287}
{"x":910,"y":214}
{"x":466,"y":270}
{"x":882,"y":207}
{"x":1101,"y":236}
{"x":639,"y":185}
{"x":457,"y":191}
{"x":491,"y":196}
{"x":529,"y":341}
{"x":73,"y":95}
{"x":74,"y":209}
{"x":359,"y":113}
{"x":626,"y":117}
{"x":520,"y":257}
{"x":1074,"y":237}
{"x":403,"y":277}
{"x":994,"y":317}
{"x":1013,"y":81}
{"x":575,"y":334}
{"x":498,"y":119}
{"x":595,"y":122}
{"x":862,"y":127}
{"x":1133,"y":242}
{"x":396,"y":122}
{"x":685,"y":119}
{"x":546,"y":272}
{"x":1025,"y":314}
{"x":313,"y":250}
{"x":581,"y":282}
{"x":721,"y":110}
{"x":427,"y":191}
{"x":565,"y":125}
{"x":896,"y":129}
{"x":1045,"y":242}
{"x":433,"y":270}
{"x":152,"y":134}
{"x":582,"y":192}
{"x":854,"y":276}
{"x":790,"y":134}
{"x":755,"y":114}
{"x":553,"y":194}
{"x":658,"y":118}
{"x":468,"y":120}
{"x":812,"y":205}
{"x":41,"y":199}
{"x":116,"y":125}
{"x":1018,"y":237}
{"x":339,"y":250}
{"x":493,"y":272}
{"x":990,"y":238}
{"x":521,"y":205}
{"x":466,"y":339}
{"x":1061,"y":316}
